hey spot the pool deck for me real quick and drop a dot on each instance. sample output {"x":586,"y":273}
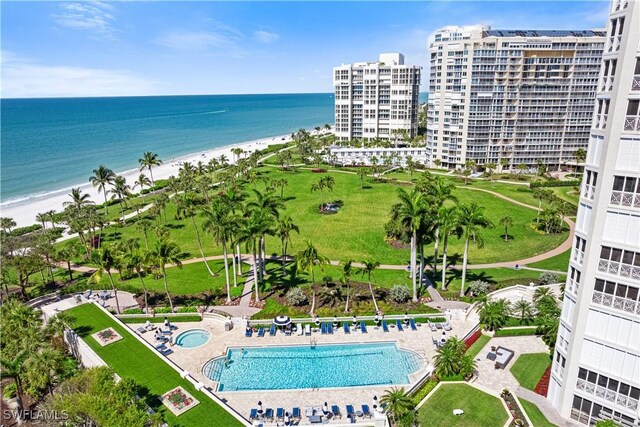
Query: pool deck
{"x":192,"y":360}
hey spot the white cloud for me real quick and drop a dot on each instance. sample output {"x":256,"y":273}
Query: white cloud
{"x":23,"y":78}
{"x":265,"y":37}
{"x":90,"y":16}
{"x":197,"y":40}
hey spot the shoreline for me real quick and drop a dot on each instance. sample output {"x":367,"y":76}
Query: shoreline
{"x":24,"y":210}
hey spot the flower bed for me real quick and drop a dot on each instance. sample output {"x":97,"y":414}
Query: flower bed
{"x":178,"y":400}
{"x":473,"y":338}
{"x":514,"y":409}
{"x":543,"y":385}
{"x":107,"y":336}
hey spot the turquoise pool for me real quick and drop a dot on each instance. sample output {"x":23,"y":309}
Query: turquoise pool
{"x":321,"y":366}
{"x":192,"y":338}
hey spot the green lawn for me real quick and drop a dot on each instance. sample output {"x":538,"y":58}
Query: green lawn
{"x":535,"y":415}
{"x":357,"y":231}
{"x":478,"y":345}
{"x":130,"y":358}
{"x":480,"y":409}
{"x":529,"y":368}
{"x":557,"y":263}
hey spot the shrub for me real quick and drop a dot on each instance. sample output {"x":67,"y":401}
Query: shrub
{"x":547,"y":278}
{"x":296,"y":297}
{"x":10,"y":391}
{"x":424,"y":389}
{"x":515,"y":332}
{"x":399,"y":294}
{"x":479,"y":288}
{"x":187,"y":310}
{"x":162,"y":310}
{"x":570,"y":183}
{"x":133,"y":311}
{"x":160,"y":319}
{"x":21,"y":231}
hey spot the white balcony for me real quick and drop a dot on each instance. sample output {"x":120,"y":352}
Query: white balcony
{"x":619,"y":269}
{"x":635,"y":83}
{"x":578,"y":256}
{"x":624,"y":198}
{"x":588,"y":192}
{"x":632,"y":123}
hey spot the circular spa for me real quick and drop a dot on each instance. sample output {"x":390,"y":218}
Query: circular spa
{"x":192,"y":338}
{"x":316,"y":366}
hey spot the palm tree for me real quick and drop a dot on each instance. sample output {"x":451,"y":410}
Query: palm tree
{"x":410,"y":211}
{"x":284,"y":228}
{"x":506,"y":222}
{"x":524,"y":310}
{"x":248,"y":233}
{"x":144,"y":225}
{"x":7,"y":224}
{"x":14,"y":368}
{"x":217,"y":220}
{"x":490,"y":168}
{"x":186,"y":208}
{"x":439,"y":191}
{"x":472,"y":220}
{"x":66,"y":253}
{"x":449,"y":225}
{"x":368,"y":266}
{"x":138,"y":262}
{"x":504,"y":163}
{"x":102,"y":177}
{"x":148,"y":161}
{"x":307,"y":260}
{"x":104,"y":259}
{"x":493,"y":315}
{"x":345,"y":280}
{"x":540,"y":293}
{"x":237,"y":152}
{"x":142,"y":182}
{"x":121,"y":190}
{"x":166,"y":252}
{"x":78,"y":200}
{"x":398,"y":403}
{"x":271,"y":205}
{"x":580,"y":156}
{"x":362,"y":173}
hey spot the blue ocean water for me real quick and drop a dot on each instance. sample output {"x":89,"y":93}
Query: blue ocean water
{"x":322,"y":366}
{"x":50,"y":144}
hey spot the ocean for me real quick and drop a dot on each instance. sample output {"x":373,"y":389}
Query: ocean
{"x":50,"y":144}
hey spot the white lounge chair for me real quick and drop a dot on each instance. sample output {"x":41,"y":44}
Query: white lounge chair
{"x":299,"y":330}
{"x":307,"y":329}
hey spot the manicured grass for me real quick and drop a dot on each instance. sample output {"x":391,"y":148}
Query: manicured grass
{"x":518,"y":332}
{"x":159,"y":318}
{"x":567,"y":194}
{"x":480,"y":409}
{"x":478,"y":345}
{"x":529,"y":368}
{"x":535,"y":414}
{"x":557,"y":263}
{"x":130,"y":358}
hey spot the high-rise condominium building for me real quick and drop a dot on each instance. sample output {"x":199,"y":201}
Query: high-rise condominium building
{"x":596,"y":362}
{"x":511,"y":97}
{"x":376,"y":99}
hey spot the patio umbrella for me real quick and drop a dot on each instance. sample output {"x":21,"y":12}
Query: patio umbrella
{"x":104,"y":294}
{"x":282,"y":320}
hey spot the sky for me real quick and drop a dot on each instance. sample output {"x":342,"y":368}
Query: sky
{"x":127,"y":48}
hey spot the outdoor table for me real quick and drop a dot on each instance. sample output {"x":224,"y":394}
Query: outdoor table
{"x":359,"y":413}
{"x":315,"y":419}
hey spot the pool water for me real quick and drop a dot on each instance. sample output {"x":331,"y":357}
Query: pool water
{"x":192,"y":338}
{"x":321,"y":366}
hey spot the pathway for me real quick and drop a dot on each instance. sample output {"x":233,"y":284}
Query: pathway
{"x":545,"y":407}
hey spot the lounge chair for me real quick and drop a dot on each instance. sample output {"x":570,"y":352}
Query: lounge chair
{"x":365,"y":411}
{"x":272,"y":330}
{"x":248,"y":332}
{"x":307,"y":329}
{"x":363,"y":327}
{"x":347,"y":330}
{"x":439,"y":325}
{"x":287,"y":330}
{"x":295,"y":413}
{"x":447,"y":326}
{"x":433,"y":327}
{"x":335,"y":410}
{"x":299,"y":329}
{"x":350,"y":411}
{"x":385,"y":326}
{"x":261,"y":331}
{"x":165,"y":332}
{"x":253,"y":415}
{"x":166,"y":351}
{"x":412,"y":324}
{"x":280,"y":414}
{"x":161,"y":346}
{"x":268,"y":414}
{"x":141,"y":330}
{"x":330,"y":328}
{"x":399,"y":325}
{"x":323,"y":328}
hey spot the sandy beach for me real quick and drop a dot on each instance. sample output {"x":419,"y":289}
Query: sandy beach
{"x":24,"y":211}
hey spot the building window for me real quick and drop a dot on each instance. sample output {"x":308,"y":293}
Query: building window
{"x":616,"y":295}
{"x":626,"y":191}
{"x":619,"y":262}
{"x":609,"y":389}
{"x":579,"y":248}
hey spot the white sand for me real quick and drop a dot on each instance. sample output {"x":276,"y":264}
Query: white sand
{"x":24,"y":211}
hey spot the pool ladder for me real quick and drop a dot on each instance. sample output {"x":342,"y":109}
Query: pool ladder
{"x":313,"y":342}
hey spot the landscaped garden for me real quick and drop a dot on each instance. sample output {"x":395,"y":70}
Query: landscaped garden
{"x":529,"y":368}
{"x":535,"y":414}
{"x":480,"y":409}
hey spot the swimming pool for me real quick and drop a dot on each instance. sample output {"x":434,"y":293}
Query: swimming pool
{"x":321,"y":366}
{"x":192,"y":338}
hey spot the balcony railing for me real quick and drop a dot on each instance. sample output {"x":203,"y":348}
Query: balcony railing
{"x":606,"y":394}
{"x":573,"y":286}
{"x":606,"y":84}
{"x":588,"y":192}
{"x":578,"y":256}
{"x":632,"y":123}
{"x":635,"y":83}
{"x":619,"y":269}
{"x":600,"y":121}
{"x":624,"y":198}
{"x":618,"y":303}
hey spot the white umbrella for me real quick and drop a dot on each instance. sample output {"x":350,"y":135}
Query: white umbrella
{"x":282,"y":320}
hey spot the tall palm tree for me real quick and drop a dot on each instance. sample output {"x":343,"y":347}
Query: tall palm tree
{"x":104,"y":260}
{"x":345,"y":280}
{"x":449,"y":224}
{"x":410,"y":211}
{"x":166,"y":252}
{"x":121,"y":190}
{"x":249,"y":233}
{"x":439,"y":191}
{"x":187,"y":208}
{"x":144,"y":225}
{"x":307,"y":260}
{"x":284,"y":228}
{"x":142,"y":182}
{"x":14,"y":368}
{"x":139,"y":263}
{"x":148,"y":161}
{"x":368,"y":266}
{"x":78,"y":200}
{"x":398,"y":403}
{"x":362,"y":174}
{"x":216,"y":221}
{"x":506,"y":222}
{"x":524,"y":310}
{"x":472,"y":220}
{"x":271,"y":205}
{"x":7,"y":224}
{"x":102,"y":177}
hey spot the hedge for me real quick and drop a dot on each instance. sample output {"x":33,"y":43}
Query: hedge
{"x":423,"y":390}
{"x":160,"y":319}
{"x":516,"y":332}
{"x":571,"y":183}
{"x":21,"y":231}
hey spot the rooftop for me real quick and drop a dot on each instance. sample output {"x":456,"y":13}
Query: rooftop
{"x":546,"y":33}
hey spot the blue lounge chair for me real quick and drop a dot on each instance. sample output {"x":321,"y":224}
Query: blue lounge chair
{"x":399,"y":325}
{"x":323,"y":328}
{"x":365,"y":411}
{"x":280,"y":414}
{"x":272,"y":330}
{"x":363,"y":327}
{"x":268,"y":414}
{"x":345,"y":325}
{"x":336,"y":411}
{"x":412,"y":323}
{"x":248,"y":332}
{"x":261,"y":331}
{"x":253,"y":415}
{"x":330,"y":328}
{"x":295,"y":413}
{"x":166,"y":351}
{"x":385,"y":327}
{"x":350,"y":411}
